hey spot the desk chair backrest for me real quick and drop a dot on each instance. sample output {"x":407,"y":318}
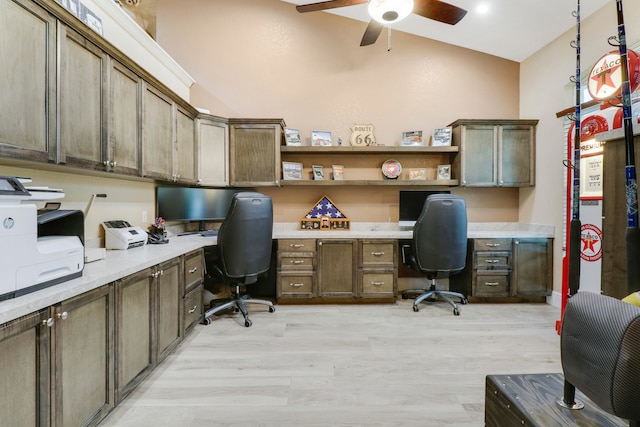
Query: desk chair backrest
{"x":440,"y":235}
{"x":600,"y":352}
{"x":245,"y":236}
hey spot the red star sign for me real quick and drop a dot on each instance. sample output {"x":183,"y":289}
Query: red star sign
{"x":603,"y":78}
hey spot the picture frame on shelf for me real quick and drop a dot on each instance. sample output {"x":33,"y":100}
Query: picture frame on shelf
{"x":321,"y":138}
{"x":318,"y":172}
{"x":292,"y":137}
{"x":441,"y":137}
{"x":412,"y":139}
{"x":337,"y":172}
{"x":417,"y":174}
{"x":443,"y":172}
{"x":291,"y":171}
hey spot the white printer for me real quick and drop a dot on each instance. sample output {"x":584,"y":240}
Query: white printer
{"x":37,"y":249}
{"x":119,"y":234}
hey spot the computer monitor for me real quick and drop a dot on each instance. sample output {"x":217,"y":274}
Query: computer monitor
{"x":411,"y":204}
{"x":193,"y":204}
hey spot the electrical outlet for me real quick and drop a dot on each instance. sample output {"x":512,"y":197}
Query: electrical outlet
{"x":144,"y":216}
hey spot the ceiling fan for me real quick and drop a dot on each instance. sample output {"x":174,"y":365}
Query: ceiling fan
{"x":385,"y":12}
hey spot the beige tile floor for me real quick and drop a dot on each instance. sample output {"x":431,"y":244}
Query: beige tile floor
{"x":344,"y":365}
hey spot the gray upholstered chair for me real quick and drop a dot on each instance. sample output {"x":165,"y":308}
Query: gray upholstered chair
{"x":243,"y":252}
{"x":439,"y":246}
{"x":600,"y":352}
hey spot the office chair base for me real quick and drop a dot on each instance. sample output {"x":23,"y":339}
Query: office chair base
{"x":235,"y":304}
{"x":432,"y":294}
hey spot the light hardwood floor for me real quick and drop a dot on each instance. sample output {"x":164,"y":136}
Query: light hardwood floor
{"x":344,"y":365}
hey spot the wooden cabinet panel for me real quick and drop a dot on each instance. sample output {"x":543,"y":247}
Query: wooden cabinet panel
{"x":24,"y":377}
{"x":495,"y":152}
{"x":157,"y":134}
{"x":336,"y":272}
{"x":378,"y":284}
{"x":532,"y":267}
{"x":83,"y":344}
{"x":491,"y":284}
{"x":254,"y":152}
{"x":185,"y":154}
{"x":193,"y":308}
{"x":122,"y":153}
{"x":193,"y":269}
{"x":297,"y":261}
{"x":28,"y":81}
{"x":213,"y":156}
{"x":134,"y":359}
{"x":377,"y":254}
{"x":169,"y":288}
{"x":296,"y":285}
{"x":81,"y":92}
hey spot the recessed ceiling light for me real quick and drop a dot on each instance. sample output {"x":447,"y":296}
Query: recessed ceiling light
{"x":482,"y":8}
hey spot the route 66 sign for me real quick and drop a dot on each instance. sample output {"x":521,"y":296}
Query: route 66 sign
{"x":362,"y":135}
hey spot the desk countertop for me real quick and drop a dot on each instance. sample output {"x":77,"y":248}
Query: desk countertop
{"x":119,"y":264}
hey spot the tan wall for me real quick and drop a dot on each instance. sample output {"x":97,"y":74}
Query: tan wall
{"x":261,"y":58}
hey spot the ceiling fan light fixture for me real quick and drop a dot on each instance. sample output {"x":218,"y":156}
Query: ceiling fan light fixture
{"x":390,"y":11}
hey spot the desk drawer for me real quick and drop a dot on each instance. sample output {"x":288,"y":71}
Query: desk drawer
{"x":301,"y":261}
{"x":193,"y":309}
{"x":295,"y":285}
{"x":492,"y":261}
{"x":489,"y":285}
{"x":193,"y":270}
{"x":297,"y":245}
{"x":378,"y":253}
{"x":377,"y":285}
{"x":492,"y":245}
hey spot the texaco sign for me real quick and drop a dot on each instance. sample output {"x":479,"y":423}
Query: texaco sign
{"x":605,"y":78}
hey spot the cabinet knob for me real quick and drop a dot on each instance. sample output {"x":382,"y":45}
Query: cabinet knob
{"x":114,"y":164}
{"x":63,"y":315}
{"x":106,"y":163}
{"x":48,"y":322}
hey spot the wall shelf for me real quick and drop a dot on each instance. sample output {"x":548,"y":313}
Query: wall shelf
{"x":369,"y":182}
{"x":375,"y":149}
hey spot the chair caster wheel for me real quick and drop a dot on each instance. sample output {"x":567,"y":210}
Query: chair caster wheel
{"x":456,"y":312}
{"x":404,"y":296}
{"x":247,"y":323}
{"x":272,"y":309}
{"x":464,"y":301}
{"x":206,"y":321}
{"x":416,"y":308}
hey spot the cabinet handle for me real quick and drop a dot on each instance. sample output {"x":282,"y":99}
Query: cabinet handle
{"x":106,"y":163}
{"x":114,"y":164}
{"x":296,"y":285}
{"x":193,"y":309}
{"x":48,"y":322}
{"x":493,"y":245}
{"x":193,"y":270}
{"x":297,"y":245}
{"x":377,"y":253}
{"x":297,"y":261}
{"x":492,"y":261}
{"x":377,"y":283}
{"x":63,"y":315}
{"x":491,"y":283}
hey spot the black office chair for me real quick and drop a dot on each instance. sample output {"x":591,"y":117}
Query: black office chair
{"x":439,"y":247}
{"x":243,"y":252}
{"x":600,"y":352}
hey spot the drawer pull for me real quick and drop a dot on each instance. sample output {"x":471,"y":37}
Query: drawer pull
{"x":297,"y":261}
{"x":296,"y":285}
{"x":297,"y":245}
{"x":193,"y":270}
{"x":493,"y":245}
{"x":491,"y":283}
{"x":492,"y":261}
{"x":377,"y":283}
{"x":377,"y":253}
{"x":193,"y":309}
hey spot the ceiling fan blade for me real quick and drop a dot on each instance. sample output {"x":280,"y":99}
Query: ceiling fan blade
{"x":324,"y":5}
{"x":371,"y":33}
{"x":439,"y":11}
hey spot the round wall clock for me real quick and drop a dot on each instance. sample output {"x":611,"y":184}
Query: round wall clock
{"x":391,"y":169}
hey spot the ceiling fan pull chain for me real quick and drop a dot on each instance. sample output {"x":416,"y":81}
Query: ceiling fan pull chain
{"x":388,"y":39}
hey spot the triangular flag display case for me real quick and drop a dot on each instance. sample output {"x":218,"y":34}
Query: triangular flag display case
{"x":324,"y":215}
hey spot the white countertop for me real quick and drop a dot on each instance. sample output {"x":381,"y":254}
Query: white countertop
{"x":122,"y":263}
